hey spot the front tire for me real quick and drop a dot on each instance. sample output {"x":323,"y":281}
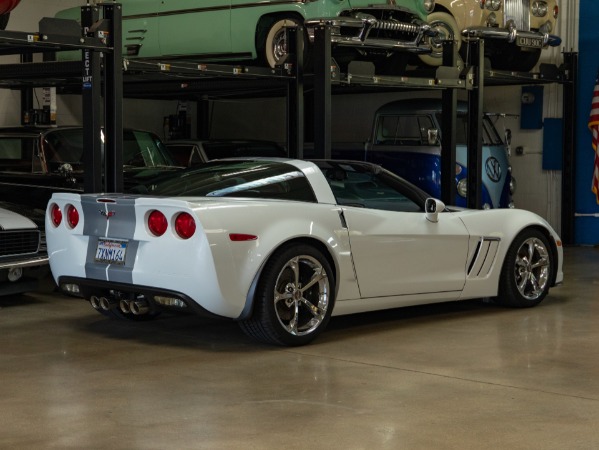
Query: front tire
{"x":447,"y":29}
{"x":294,"y":297}
{"x":275,"y":45}
{"x":526,"y":273}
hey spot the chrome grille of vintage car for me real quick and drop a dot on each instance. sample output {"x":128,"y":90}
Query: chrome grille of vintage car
{"x":389,"y":25}
{"x":22,"y":242}
{"x":519,"y":12}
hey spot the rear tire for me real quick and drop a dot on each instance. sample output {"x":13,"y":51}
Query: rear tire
{"x":294,"y":298}
{"x":526,"y":273}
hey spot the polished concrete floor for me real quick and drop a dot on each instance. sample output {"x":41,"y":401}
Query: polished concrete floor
{"x":457,"y":376}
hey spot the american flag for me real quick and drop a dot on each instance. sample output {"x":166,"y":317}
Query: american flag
{"x":594,"y":127}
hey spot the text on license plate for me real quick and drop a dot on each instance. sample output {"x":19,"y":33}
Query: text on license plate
{"x":529,"y":42}
{"x":111,"y":251}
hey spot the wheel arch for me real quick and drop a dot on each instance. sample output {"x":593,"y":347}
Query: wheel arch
{"x":308,"y":240}
{"x":552,"y":246}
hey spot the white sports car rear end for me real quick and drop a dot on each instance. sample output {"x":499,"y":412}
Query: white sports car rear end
{"x":281,"y":245}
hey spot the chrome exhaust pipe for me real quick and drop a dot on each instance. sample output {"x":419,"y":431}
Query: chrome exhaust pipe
{"x":139,"y":307}
{"x":125,"y":306}
{"x":108,"y":303}
{"x":95,"y":302}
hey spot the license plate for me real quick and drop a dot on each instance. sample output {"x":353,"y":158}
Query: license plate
{"x":529,"y":42}
{"x":111,"y":251}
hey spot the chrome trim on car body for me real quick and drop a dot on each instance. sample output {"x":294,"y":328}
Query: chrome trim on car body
{"x":213,"y":8}
{"x":510,"y":36}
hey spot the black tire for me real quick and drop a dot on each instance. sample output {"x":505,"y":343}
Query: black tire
{"x":294,"y":297}
{"x":4,"y":21}
{"x":447,"y":28}
{"x":271,"y":42}
{"x":527,"y":270}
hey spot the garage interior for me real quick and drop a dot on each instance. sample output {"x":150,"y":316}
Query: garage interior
{"x":456,"y":375}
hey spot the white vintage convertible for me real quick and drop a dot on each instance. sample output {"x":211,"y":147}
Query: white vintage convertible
{"x":281,"y":245}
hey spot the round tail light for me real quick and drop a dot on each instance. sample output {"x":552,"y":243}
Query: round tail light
{"x":185,"y":225}
{"x":56,"y":214}
{"x":72,"y":216}
{"x":555,"y":11}
{"x":157,"y":223}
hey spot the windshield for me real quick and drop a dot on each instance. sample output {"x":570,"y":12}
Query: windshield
{"x":143,"y":149}
{"x":140,"y":148}
{"x":219,"y":150}
{"x":260,"y":179}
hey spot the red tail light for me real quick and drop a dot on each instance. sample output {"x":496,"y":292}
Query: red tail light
{"x":72,"y":216}
{"x":555,"y":11}
{"x":185,"y":226}
{"x":56,"y":214}
{"x":157,"y":223}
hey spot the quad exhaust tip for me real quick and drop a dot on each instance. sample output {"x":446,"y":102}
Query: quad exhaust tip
{"x":136,"y":307}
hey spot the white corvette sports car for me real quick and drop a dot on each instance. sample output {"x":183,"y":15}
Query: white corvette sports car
{"x":281,"y":245}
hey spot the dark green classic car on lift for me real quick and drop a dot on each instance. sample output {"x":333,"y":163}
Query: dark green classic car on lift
{"x":236,"y":30}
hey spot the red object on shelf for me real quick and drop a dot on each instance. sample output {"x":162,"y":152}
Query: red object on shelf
{"x":7,"y":6}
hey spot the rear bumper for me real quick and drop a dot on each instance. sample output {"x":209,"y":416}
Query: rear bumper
{"x":357,"y":33}
{"x":512,"y":35}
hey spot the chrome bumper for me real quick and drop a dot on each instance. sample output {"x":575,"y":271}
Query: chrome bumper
{"x":511,"y":35}
{"x":363,"y":27}
{"x":22,"y":263}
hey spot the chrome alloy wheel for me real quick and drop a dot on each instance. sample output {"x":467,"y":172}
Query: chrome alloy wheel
{"x":532,"y":268}
{"x":301,"y":295}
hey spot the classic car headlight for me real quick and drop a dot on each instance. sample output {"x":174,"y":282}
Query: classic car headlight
{"x":555,"y":11}
{"x":493,"y":5}
{"x":429,"y":5}
{"x":492,"y":19}
{"x":539,"y":9}
{"x":462,"y":187}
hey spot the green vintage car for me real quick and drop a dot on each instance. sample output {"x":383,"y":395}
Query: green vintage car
{"x":237,"y":30}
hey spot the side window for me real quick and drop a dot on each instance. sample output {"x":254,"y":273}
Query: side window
{"x":367,"y":190}
{"x":16,"y":154}
{"x":401,"y":130}
{"x":290,"y":186}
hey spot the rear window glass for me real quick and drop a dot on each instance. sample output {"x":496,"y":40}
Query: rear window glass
{"x":237,"y":179}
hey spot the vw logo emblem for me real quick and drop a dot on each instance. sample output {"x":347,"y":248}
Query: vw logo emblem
{"x":493,"y":169}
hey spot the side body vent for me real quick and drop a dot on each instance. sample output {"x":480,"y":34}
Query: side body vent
{"x":483,"y":258}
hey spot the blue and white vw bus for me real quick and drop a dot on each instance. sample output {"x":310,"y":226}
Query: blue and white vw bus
{"x":406,"y":138}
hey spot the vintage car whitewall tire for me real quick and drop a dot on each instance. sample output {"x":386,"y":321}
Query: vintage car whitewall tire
{"x":447,"y":29}
{"x":526,"y":273}
{"x":294,"y":297}
{"x":275,"y":45}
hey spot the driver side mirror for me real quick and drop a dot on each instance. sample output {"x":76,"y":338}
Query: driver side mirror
{"x":433,"y":136}
{"x":432,"y":208}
